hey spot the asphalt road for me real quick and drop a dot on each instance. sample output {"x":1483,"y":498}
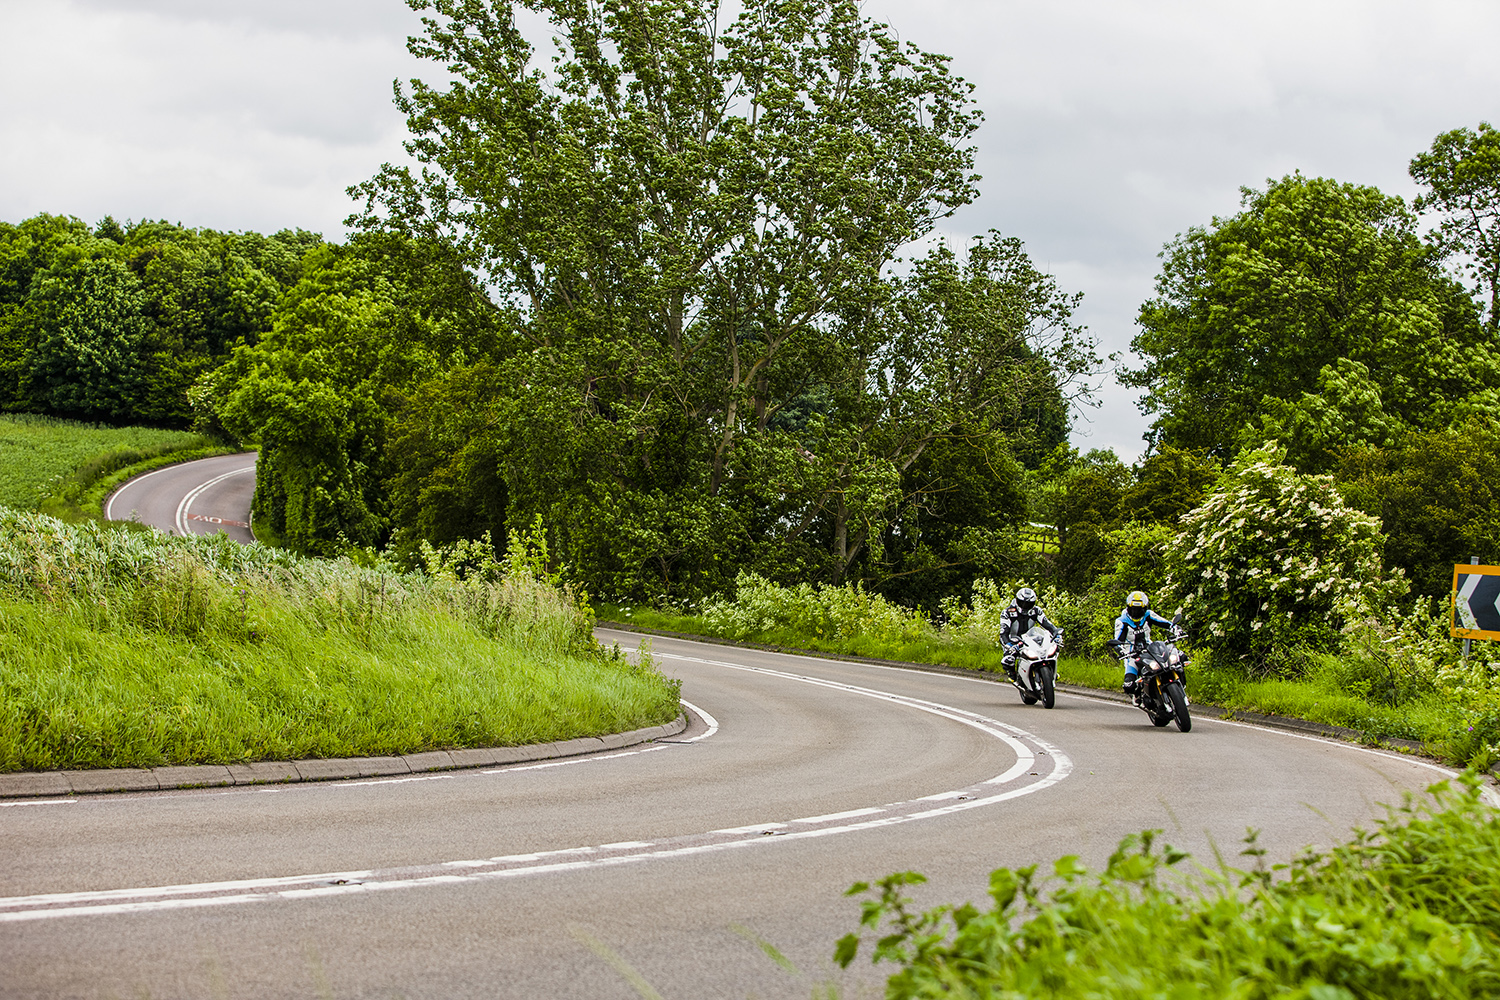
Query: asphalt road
{"x":200,"y":498}
{"x":448,"y":885}
{"x":670,"y":862}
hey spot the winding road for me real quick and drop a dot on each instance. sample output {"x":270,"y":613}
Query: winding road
{"x":673,"y":862}
{"x":198,"y":498}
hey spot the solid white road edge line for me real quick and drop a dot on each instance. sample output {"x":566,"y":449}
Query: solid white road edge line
{"x":110,"y":503}
{"x":1490,"y":795}
{"x":156,"y":898}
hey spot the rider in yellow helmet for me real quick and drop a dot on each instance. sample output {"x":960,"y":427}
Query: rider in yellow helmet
{"x":1134,"y":625}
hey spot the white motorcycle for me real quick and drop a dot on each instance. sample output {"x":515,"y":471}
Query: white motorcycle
{"x":1036,"y":666}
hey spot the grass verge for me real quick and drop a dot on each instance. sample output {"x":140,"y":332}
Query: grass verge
{"x":1322,"y":696}
{"x":132,"y":649}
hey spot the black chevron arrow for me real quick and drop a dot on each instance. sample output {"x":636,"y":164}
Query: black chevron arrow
{"x":1482,"y":604}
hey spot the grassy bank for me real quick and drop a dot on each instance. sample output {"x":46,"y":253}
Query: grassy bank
{"x":134,"y":649}
{"x":1327,"y":693}
{"x":1408,"y":910}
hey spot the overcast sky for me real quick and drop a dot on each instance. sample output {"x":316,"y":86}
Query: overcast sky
{"x":1110,"y":125}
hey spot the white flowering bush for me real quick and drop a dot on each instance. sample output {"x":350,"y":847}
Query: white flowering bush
{"x":1266,"y":568}
{"x":822,"y":612}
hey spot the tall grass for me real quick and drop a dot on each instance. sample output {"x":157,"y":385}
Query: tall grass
{"x":135,"y":649}
{"x":44,"y":456}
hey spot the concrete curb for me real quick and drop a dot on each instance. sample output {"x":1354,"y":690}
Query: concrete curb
{"x":1288,"y":723}
{"x":34,"y":784}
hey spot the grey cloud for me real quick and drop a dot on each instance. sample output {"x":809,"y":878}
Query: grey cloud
{"x":1111,"y":124}
{"x":337,"y":18}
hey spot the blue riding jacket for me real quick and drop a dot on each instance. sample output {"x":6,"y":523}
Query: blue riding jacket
{"x":1127,"y":629}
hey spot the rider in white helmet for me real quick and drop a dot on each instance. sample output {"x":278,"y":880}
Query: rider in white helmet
{"x":1017,"y":620}
{"x":1133,"y":625}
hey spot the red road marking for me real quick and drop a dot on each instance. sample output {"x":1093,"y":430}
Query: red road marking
{"x":216,"y":520}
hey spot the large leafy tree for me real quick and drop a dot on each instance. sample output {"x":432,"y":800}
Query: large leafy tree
{"x":975,"y":357}
{"x":366,"y":325}
{"x":85,"y":362}
{"x":1269,"y":304}
{"x":693,"y":210}
{"x":27,"y":251}
{"x":1462,"y":175}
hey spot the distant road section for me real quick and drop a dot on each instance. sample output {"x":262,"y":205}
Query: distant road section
{"x":198,"y":498}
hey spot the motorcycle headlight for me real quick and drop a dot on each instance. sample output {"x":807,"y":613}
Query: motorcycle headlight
{"x":1174,"y":659}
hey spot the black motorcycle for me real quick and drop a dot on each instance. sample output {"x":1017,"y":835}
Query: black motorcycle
{"x":1161,"y":685}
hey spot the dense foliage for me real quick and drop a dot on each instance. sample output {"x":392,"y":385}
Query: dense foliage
{"x":349,"y":344}
{"x":1316,"y":313}
{"x":720,"y":365}
{"x":1410,"y":909}
{"x":1461,"y":173}
{"x":115,"y":323}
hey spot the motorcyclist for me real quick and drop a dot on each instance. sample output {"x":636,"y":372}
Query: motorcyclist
{"x":1017,"y":620}
{"x":1134,"y":625}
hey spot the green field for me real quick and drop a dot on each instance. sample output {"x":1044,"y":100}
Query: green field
{"x":40,"y":457}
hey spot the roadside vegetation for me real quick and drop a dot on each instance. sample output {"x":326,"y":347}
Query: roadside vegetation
{"x":1451,"y":708}
{"x":1409,"y":909}
{"x":123,"y":648}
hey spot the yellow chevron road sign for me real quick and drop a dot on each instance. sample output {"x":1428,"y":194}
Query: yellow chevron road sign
{"x":1476,"y":602}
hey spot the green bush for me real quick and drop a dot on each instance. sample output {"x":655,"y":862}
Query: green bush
{"x":1409,"y":910}
{"x":761,"y":607}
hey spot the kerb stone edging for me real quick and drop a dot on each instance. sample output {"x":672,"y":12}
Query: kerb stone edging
{"x":34,"y":784}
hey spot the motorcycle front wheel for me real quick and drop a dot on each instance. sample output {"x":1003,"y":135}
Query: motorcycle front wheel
{"x":1049,"y":695}
{"x":1179,"y":706}
{"x":1153,"y":703}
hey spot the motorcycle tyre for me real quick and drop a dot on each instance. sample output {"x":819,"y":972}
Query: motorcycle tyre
{"x":1179,"y":706}
{"x":1049,"y":693}
{"x":1028,"y":698}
